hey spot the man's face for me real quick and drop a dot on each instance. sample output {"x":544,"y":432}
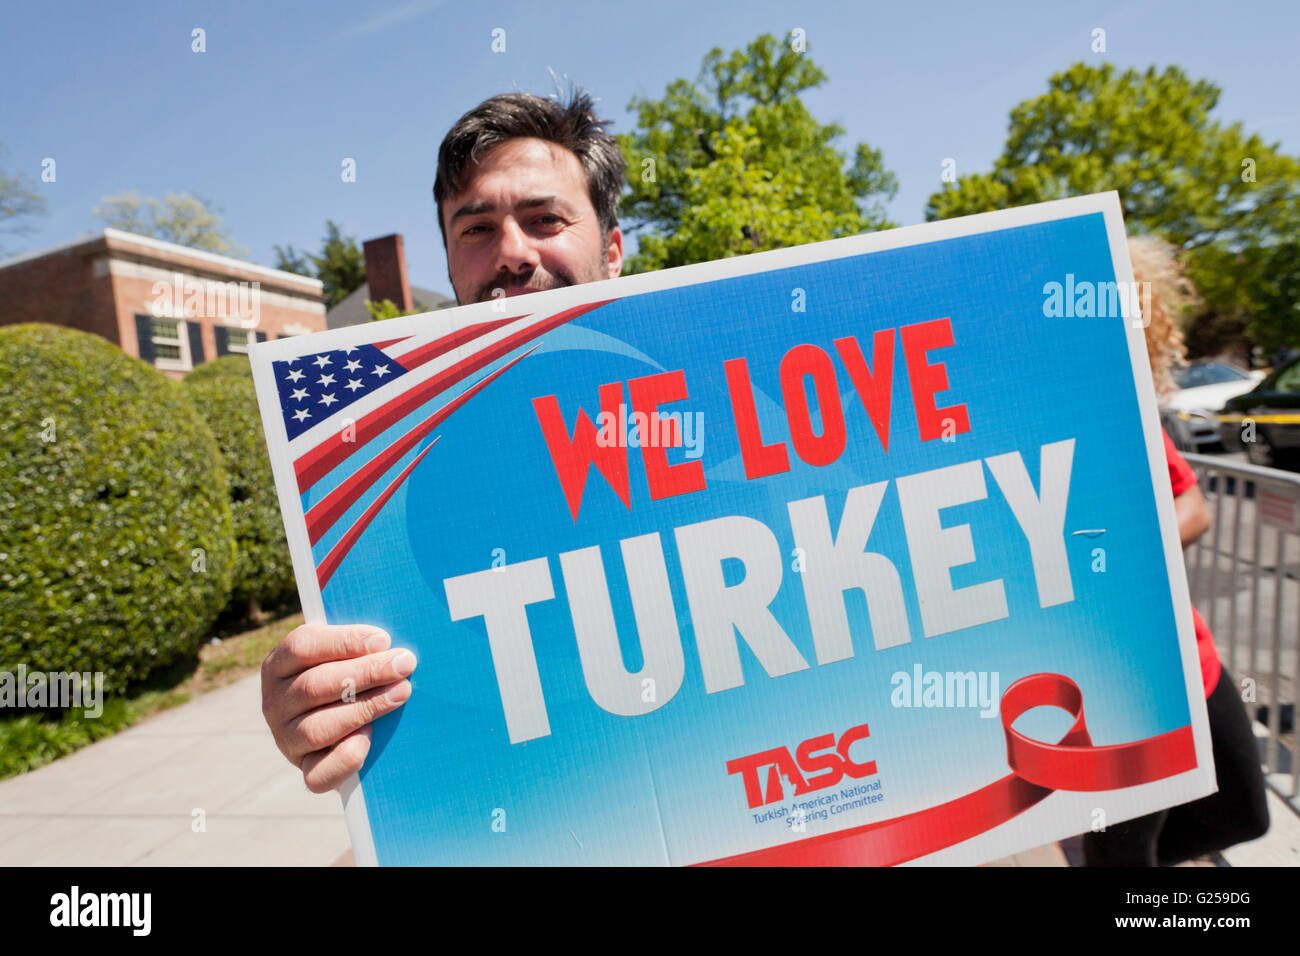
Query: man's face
{"x":525,"y":223}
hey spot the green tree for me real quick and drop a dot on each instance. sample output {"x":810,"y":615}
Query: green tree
{"x":18,"y":200}
{"x":1256,"y":296}
{"x":734,"y":163}
{"x":178,"y":217}
{"x":387,"y":309}
{"x":340,"y":265}
{"x":1227,"y":199}
{"x":289,"y":259}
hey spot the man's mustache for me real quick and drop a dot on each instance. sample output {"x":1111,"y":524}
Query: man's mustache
{"x":558,"y":280}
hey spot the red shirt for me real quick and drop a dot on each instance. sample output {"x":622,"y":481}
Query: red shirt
{"x":1182,"y":478}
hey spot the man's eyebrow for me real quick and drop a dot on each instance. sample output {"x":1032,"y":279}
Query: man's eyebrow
{"x":532,"y":202}
{"x":485,"y":206}
{"x":473,"y":209}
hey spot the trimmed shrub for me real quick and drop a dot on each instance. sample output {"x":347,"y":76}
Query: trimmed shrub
{"x":116,"y":542}
{"x":223,"y":393}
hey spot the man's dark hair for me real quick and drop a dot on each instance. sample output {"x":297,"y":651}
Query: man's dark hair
{"x":518,"y":115}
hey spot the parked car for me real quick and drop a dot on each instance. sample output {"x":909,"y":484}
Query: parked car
{"x":1273,"y":408}
{"x":1191,"y":414}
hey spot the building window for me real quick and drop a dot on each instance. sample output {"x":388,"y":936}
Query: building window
{"x":238,"y":340}
{"x":235,"y":340}
{"x":170,"y":345}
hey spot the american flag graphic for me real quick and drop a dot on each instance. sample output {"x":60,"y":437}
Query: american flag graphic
{"x":353,"y":414}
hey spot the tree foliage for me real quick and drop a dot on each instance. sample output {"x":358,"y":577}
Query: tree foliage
{"x":1227,"y":199}
{"x":222,"y":392}
{"x":387,"y":309}
{"x":178,"y":217}
{"x":116,"y":543}
{"x":340,"y":265}
{"x":289,"y":259}
{"x":18,"y":200}
{"x":734,"y":163}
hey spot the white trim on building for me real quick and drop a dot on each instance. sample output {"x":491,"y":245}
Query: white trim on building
{"x":158,"y":244}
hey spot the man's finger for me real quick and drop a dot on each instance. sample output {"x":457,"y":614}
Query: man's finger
{"x":326,"y":770}
{"x":326,"y":726}
{"x":343,"y":681}
{"x":313,"y":644}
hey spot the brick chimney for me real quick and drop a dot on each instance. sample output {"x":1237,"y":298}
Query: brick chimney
{"x":386,"y":271}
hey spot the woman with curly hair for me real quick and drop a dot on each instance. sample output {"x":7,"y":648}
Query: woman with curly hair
{"x":1157,"y":269}
{"x":1239,"y":811}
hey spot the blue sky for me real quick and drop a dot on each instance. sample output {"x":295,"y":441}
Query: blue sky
{"x":261,"y":121}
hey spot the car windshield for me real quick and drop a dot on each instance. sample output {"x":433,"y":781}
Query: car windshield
{"x":1211,"y":373}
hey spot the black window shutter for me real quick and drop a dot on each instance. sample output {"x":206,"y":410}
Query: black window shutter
{"x":253,"y":339}
{"x":196,"y":343}
{"x":223,"y":339}
{"x":144,"y":337}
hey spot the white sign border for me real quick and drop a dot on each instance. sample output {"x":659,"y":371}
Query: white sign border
{"x":541,"y":304}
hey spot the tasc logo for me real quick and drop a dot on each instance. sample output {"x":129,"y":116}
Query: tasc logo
{"x":817,"y":755}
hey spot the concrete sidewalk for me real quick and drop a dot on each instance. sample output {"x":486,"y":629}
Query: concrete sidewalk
{"x":131,"y":799}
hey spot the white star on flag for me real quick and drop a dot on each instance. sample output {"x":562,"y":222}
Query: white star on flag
{"x":328,"y":399}
{"x":322,"y":361}
{"x":380,"y":370}
{"x":299,"y":394}
{"x":301,"y":414}
{"x":353,"y":384}
{"x":326,"y":380}
{"x":294,"y":375}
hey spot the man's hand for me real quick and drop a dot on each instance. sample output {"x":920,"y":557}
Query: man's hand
{"x":321,"y":687}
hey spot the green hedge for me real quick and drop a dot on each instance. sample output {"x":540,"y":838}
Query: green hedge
{"x":223,"y":393}
{"x":116,"y":542}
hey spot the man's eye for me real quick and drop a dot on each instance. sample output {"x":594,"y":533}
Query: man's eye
{"x":470,"y":231}
{"x":550,"y":219}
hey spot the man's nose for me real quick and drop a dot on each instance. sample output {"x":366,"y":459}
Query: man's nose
{"x":515,"y":253}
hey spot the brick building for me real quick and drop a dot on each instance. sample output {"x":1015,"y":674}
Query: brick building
{"x":170,"y":305}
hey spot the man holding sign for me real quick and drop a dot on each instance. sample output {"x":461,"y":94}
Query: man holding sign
{"x":527,"y":194}
{"x":832,"y":534}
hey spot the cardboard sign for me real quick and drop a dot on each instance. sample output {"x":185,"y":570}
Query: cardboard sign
{"x":861,"y":552}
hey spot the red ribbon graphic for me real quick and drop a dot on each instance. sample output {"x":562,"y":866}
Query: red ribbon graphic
{"x":1037,"y":769}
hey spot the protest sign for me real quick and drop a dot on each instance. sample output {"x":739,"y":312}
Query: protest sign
{"x":860,"y":552}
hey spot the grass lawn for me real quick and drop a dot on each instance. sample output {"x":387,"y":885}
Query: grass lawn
{"x":34,"y":739}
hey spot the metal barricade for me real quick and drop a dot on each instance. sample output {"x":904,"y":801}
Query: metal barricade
{"x":1244,"y":577}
